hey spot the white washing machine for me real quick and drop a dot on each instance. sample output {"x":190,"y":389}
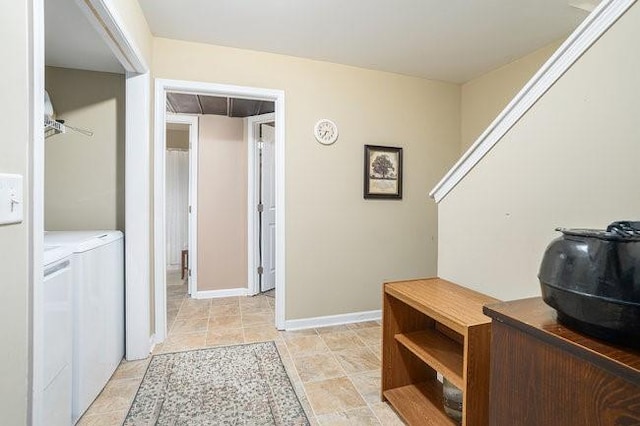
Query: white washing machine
{"x":56,"y":345}
{"x":98,"y":309}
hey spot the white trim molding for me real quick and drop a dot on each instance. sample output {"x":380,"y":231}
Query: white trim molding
{"x":35,"y":213}
{"x":109,"y":25}
{"x":215,"y":294}
{"x":137,"y":229}
{"x":329,"y":320}
{"x":596,"y":24}
{"x":162,"y":86}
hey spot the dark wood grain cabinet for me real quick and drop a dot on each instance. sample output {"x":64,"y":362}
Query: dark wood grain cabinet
{"x":543,"y":373}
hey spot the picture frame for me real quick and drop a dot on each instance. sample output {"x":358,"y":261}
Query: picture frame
{"x":382,"y":172}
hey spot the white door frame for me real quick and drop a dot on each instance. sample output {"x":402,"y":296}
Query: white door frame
{"x":253,"y":230}
{"x":192,"y":122}
{"x":111,"y":28}
{"x":162,"y":86}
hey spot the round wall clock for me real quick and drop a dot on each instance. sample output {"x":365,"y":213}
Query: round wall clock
{"x":325,"y":131}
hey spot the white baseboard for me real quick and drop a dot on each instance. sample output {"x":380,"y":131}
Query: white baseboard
{"x":317,"y":322}
{"x":213,"y":294}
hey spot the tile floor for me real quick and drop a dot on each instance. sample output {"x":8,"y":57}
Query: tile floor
{"x":337,"y":368}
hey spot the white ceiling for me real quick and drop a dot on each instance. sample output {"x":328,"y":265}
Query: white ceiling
{"x":449,"y":40}
{"x":72,"y":42}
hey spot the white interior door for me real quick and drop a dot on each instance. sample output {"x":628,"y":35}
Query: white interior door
{"x":268,"y":217}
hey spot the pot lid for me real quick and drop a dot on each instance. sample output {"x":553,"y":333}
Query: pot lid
{"x":626,"y":231}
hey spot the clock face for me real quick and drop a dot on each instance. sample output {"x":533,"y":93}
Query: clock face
{"x":326,"y":131}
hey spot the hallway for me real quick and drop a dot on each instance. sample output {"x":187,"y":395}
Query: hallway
{"x":337,"y":368}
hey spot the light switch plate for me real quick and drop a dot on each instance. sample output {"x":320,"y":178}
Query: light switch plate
{"x":11,"y":202}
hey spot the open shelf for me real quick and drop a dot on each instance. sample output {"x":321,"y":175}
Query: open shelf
{"x":420,"y":403}
{"x":438,"y":351}
{"x":433,"y":326}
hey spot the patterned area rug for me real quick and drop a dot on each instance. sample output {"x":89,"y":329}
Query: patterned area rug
{"x":231,"y":385}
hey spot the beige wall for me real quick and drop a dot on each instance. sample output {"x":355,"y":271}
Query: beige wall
{"x":572,"y":161}
{"x":14,"y":285}
{"x":84,"y":176}
{"x":340,"y":248}
{"x":485,"y":97}
{"x":177,"y":139}
{"x":222,"y":203}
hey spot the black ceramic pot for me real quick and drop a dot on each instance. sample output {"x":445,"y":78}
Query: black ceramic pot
{"x":592,"y":279}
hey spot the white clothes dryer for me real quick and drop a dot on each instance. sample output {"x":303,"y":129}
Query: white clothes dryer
{"x":98,"y":309}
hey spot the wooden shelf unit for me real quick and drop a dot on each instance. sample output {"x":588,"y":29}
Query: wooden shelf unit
{"x":434,"y":326}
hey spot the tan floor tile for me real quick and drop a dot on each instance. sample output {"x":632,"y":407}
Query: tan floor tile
{"x":318,"y":367}
{"x":174,"y":304}
{"x":292,"y":371}
{"x":177,"y":288}
{"x":386,"y":415}
{"x":256,"y":309}
{"x":260,"y":333}
{"x":282,"y":347}
{"x":225,"y":301}
{"x":333,"y":329}
{"x":216,"y":323}
{"x":370,"y":336}
{"x":171,"y":317}
{"x":289,"y":334}
{"x":263,"y":318}
{"x":191,"y":302}
{"x":225,"y":322}
{"x":256,"y":301}
{"x":356,"y":417}
{"x":342,"y":340}
{"x":131,"y":369}
{"x":364,"y":324}
{"x":377,"y":351}
{"x":306,"y":345}
{"x":357,"y":360}
{"x":193,"y":311}
{"x":115,"y":418}
{"x":183,"y":342}
{"x":231,"y":309}
{"x":368,"y":385}
{"x":225,"y":336}
{"x":117,"y":395}
{"x":333,"y":395}
{"x":190,"y":325}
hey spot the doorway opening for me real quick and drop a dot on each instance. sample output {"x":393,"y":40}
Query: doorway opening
{"x":233,"y":239}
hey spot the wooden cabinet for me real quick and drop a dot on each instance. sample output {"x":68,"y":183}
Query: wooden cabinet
{"x":543,"y":373}
{"x":429,"y":326}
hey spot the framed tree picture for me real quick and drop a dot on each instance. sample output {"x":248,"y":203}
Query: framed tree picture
{"x":382,"y":172}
